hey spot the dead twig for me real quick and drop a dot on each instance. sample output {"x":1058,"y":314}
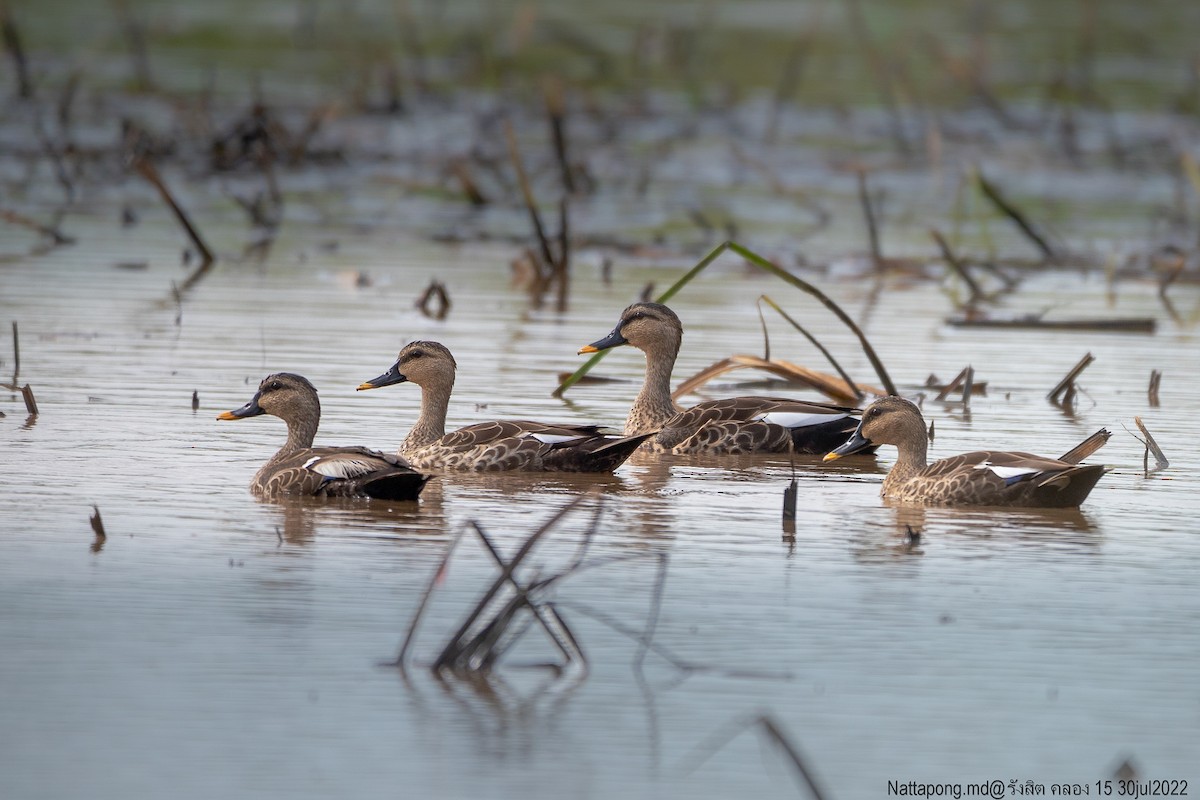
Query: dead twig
{"x":829,"y":385}
{"x":439,"y":576}
{"x":959,"y":268}
{"x":26,"y":394}
{"x":793,"y":753}
{"x":12,"y":43}
{"x":50,"y":232}
{"x":1019,"y":219}
{"x":554,"y":96}
{"x":805,"y":775}
{"x":458,"y":168}
{"x":1152,"y":392}
{"x":553,"y":267}
{"x":146,"y":168}
{"x":455,"y":647}
{"x":864,"y":198}
{"x":858,"y":394}
{"x":953,"y":385}
{"x":1160,"y":460}
{"x":16,"y":352}
{"x":98,"y":529}
{"x":535,"y":218}
{"x":434,"y":302}
{"x":1064,"y":391}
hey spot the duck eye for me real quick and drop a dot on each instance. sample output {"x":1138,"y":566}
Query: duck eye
{"x":275,"y":386}
{"x":416,"y":354}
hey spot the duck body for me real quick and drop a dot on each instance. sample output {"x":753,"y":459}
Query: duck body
{"x":736,"y":425}
{"x":499,"y":446}
{"x":338,"y":472}
{"x":301,"y":469}
{"x":741,"y":425}
{"x":522,"y":445}
{"x":980,"y":478}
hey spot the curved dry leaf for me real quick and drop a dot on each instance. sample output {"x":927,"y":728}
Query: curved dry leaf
{"x":831,"y":386}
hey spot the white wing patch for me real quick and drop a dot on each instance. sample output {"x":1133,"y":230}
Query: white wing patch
{"x":341,"y":466}
{"x":1008,"y":473}
{"x":550,"y":438}
{"x":794,"y":419}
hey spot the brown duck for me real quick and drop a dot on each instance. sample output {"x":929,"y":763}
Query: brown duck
{"x":492,"y":446}
{"x":301,"y":469}
{"x":983,"y":478}
{"x":731,"y":426}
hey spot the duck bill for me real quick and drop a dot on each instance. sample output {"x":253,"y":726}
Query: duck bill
{"x":614,"y":339}
{"x":857,"y":444}
{"x":251,"y":409}
{"x":386,"y":379}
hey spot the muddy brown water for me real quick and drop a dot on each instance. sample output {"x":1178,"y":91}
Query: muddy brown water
{"x":221,"y":647}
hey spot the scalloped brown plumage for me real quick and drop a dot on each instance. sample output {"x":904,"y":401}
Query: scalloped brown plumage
{"x":721,"y":427}
{"x":502,"y":445}
{"x":980,"y":478}
{"x":301,"y":469}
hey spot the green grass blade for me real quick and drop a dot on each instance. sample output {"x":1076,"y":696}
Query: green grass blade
{"x":782,"y":274}
{"x":671,"y":291}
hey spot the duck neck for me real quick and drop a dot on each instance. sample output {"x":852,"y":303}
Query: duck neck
{"x":431,"y":424}
{"x":302,"y":424}
{"x":653,"y":405}
{"x":912,"y":455}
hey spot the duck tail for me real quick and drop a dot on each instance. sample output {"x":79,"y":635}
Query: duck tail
{"x":1068,"y":488}
{"x":602,"y":454}
{"x":400,"y":483}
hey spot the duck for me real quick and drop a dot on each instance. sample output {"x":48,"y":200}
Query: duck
{"x":301,"y":469}
{"x":731,"y":426}
{"x":981,"y":478}
{"x":507,"y":445}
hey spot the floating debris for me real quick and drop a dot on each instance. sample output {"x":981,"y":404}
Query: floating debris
{"x":195,"y":400}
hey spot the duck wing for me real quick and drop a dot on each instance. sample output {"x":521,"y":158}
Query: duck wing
{"x":344,"y":472}
{"x":1002,"y":478}
{"x":758,"y":424}
{"x":524,"y":445}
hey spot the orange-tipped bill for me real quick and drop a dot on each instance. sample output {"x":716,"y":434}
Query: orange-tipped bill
{"x":614,"y":339}
{"x":251,"y":409}
{"x":857,"y":444}
{"x":386,"y":379}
